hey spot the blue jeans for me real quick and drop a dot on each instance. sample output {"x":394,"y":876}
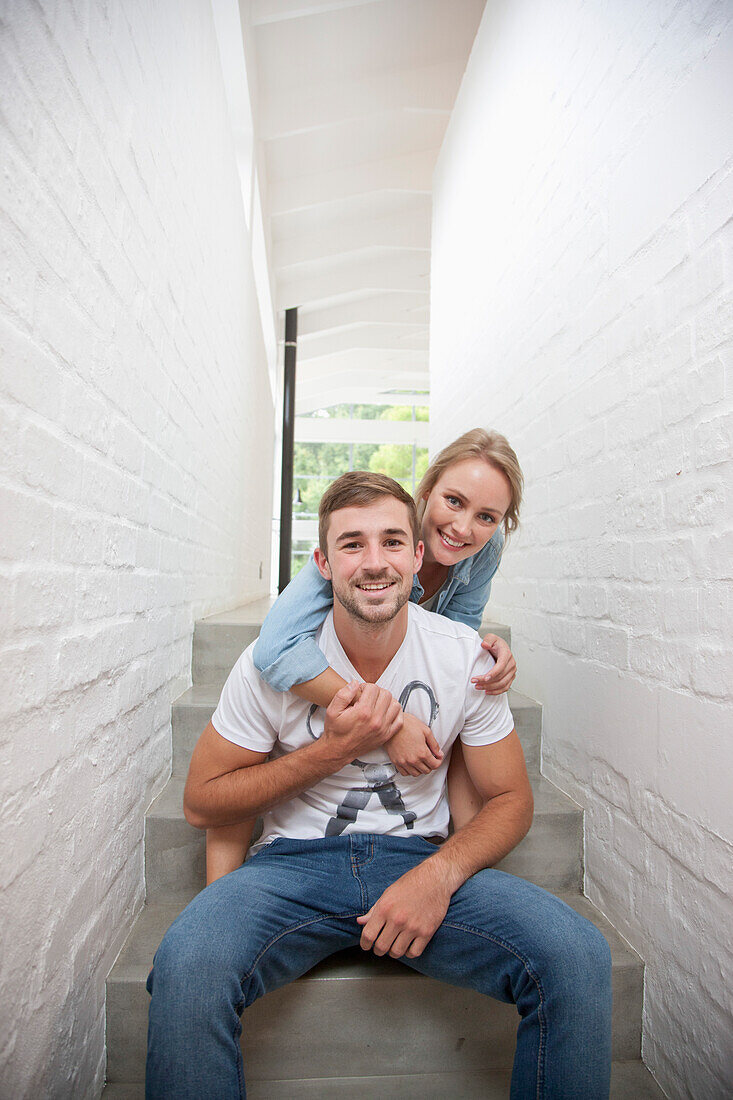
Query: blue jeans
{"x":295,"y":902}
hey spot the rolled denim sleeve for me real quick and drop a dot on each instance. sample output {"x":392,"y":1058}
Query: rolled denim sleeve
{"x":286,"y":652}
{"x":467,"y":603}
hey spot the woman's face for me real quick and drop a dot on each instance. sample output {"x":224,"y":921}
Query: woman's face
{"x":463,"y":510}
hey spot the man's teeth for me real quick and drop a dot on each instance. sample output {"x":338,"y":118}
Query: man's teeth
{"x":375,"y":587}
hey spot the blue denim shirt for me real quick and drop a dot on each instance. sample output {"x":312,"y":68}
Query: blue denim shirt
{"x":286,"y":652}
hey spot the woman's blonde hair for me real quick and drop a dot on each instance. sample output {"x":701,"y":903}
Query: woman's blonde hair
{"x":493,"y":448}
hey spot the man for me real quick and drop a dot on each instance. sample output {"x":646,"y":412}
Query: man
{"x":346,"y":856}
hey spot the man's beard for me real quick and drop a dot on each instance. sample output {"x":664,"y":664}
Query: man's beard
{"x":359,"y":608}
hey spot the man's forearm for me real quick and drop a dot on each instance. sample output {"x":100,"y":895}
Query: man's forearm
{"x":406,"y":915}
{"x":485,"y":839}
{"x":227,"y":783}
{"x":250,"y":791}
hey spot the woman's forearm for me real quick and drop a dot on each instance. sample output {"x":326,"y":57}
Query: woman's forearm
{"x":321,"y":689}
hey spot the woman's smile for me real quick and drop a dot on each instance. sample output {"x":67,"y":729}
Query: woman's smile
{"x":451,"y":543}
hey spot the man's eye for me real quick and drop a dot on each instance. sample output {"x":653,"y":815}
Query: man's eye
{"x":394,"y":542}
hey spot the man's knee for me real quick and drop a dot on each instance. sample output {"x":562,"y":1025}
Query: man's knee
{"x":189,"y":968}
{"x":590,"y":951}
{"x":578,"y":958}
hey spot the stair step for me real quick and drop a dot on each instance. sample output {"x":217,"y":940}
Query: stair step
{"x":219,"y":639}
{"x":503,"y":631}
{"x":629,"y":1081}
{"x":354,"y":1011}
{"x":353,"y":1008}
{"x":550,"y":855}
{"x":192,"y":711}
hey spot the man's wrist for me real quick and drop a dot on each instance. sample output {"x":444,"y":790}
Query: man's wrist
{"x":330,"y":755}
{"x":448,"y":870}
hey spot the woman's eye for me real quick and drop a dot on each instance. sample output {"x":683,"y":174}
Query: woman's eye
{"x":486,"y":518}
{"x":453,"y":500}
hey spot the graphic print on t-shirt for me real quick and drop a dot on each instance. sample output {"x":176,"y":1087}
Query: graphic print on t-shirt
{"x":379,"y":778}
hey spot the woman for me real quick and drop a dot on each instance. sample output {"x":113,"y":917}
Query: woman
{"x":468,"y":501}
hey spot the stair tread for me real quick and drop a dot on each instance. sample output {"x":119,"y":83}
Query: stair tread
{"x":254,"y":612}
{"x":199,"y":695}
{"x":629,"y":1081}
{"x":245,"y":614}
{"x":548,"y":799}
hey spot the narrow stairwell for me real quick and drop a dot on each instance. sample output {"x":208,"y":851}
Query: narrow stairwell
{"x":356,"y":1024}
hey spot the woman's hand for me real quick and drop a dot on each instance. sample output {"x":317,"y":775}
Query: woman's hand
{"x":414,"y":750}
{"x":502,"y":675}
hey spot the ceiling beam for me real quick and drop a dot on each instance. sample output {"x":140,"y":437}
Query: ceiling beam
{"x":428,"y":88}
{"x":398,"y":270}
{"x":318,"y":429}
{"x":409,"y":229}
{"x":354,"y":142}
{"x":406,"y":307}
{"x":369,"y":335}
{"x":278,"y":11}
{"x":412,"y":172}
{"x":320,"y":392}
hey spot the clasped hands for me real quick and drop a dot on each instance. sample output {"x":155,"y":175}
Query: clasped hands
{"x":366,"y":717}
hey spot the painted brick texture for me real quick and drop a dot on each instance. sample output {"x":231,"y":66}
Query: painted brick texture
{"x":135,"y":487}
{"x":581,"y":288}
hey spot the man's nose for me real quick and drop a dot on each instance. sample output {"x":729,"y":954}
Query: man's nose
{"x":373,"y":558}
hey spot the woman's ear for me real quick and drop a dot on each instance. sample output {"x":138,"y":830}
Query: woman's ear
{"x":322,"y":563}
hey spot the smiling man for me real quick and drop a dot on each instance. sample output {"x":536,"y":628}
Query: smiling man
{"x":347,"y":857}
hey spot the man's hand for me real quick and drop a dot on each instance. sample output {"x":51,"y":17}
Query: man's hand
{"x":501,"y":676}
{"x":360,"y":717}
{"x":406,"y":916}
{"x":413,"y":749}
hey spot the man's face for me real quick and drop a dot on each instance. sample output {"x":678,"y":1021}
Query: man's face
{"x":371,"y":559}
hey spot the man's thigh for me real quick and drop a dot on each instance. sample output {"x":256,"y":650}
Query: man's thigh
{"x":502,"y":935}
{"x":289,"y":906}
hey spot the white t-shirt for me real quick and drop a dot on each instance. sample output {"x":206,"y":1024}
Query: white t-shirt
{"x":431,"y":676}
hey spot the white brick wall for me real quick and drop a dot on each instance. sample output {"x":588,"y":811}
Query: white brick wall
{"x":137,"y":438}
{"x":581,"y":287}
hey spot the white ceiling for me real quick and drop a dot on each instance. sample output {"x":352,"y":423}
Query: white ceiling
{"x":351,"y":105}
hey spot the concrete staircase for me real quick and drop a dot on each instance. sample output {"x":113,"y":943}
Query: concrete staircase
{"x":356,"y":1024}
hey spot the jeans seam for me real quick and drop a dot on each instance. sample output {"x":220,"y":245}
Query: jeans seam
{"x":240,"y":1064}
{"x":356,"y":863}
{"x":293,"y":928}
{"x":525,"y":963}
{"x":362,"y":888}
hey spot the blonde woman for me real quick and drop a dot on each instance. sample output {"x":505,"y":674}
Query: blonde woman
{"x":468,"y":502}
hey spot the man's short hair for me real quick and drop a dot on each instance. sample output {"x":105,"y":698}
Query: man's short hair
{"x":356,"y":489}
